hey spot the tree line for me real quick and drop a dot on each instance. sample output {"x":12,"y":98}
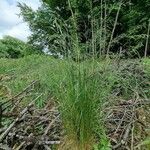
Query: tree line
{"x":11,"y":47}
{"x":108,"y":27}
{"x":102,"y":27}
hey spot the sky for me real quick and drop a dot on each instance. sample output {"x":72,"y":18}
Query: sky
{"x":10,"y":23}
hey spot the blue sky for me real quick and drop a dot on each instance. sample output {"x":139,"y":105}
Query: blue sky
{"x":10,"y":23}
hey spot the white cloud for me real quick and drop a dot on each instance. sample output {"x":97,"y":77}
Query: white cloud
{"x":10,"y":23}
{"x":8,"y":14}
{"x":20,"y":31}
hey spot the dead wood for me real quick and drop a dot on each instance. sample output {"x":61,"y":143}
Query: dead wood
{"x":26,"y":109}
{"x":121,"y":120}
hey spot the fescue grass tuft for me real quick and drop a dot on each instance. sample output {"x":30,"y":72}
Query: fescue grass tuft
{"x":77,"y":100}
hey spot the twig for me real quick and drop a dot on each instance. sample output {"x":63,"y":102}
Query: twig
{"x":1,"y":115}
{"x":51,"y":142}
{"x":121,"y":121}
{"x":24,"y":90}
{"x":20,"y":146}
{"x":132,"y":137}
{"x":49,"y":126}
{"x":4,"y":147}
{"x":16,"y":104}
{"x":32,"y":83}
{"x":123,"y":141}
{"x":115,"y":24}
{"x":33,"y":139}
{"x":17,"y":119}
{"x":128,"y":105}
{"x":147,"y":40}
{"x":47,"y":147}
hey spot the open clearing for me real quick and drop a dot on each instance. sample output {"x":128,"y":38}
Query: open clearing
{"x":31,"y":115}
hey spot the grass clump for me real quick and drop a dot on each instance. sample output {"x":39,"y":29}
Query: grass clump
{"x":81,"y":89}
{"x":81,"y":94}
{"x":77,"y":99}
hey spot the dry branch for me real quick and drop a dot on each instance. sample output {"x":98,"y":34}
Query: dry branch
{"x":17,"y":119}
{"x":49,"y":126}
{"x":121,"y":119}
{"x":31,"y":127}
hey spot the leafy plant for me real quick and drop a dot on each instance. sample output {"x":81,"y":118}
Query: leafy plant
{"x":11,"y":47}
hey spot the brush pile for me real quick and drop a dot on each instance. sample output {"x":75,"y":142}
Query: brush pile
{"x":29,"y":127}
{"x":25,"y":126}
{"x":128,"y":123}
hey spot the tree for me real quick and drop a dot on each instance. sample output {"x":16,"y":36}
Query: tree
{"x":134,"y":20}
{"x":11,"y":47}
{"x":102,"y":26}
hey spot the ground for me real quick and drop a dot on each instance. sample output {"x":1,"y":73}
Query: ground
{"x":128,"y":80}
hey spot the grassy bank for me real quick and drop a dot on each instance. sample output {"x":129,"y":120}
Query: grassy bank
{"x":82,"y":90}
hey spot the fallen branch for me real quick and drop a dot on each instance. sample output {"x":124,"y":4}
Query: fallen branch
{"x":49,"y":126}
{"x":17,"y":119}
{"x":4,"y":147}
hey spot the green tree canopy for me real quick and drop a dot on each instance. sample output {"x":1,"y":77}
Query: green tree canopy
{"x":52,"y":26}
{"x":11,"y":47}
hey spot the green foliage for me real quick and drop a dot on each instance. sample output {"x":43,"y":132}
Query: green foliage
{"x":79,"y":91}
{"x":146,"y":63}
{"x":47,"y":29}
{"x":77,"y":29}
{"x":82,"y":90}
{"x":144,"y":144}
{"x":82,"y":93}
{"x":52,"y":26}
{"x":11,"y":47}
{"x":132,"y":80}
{"x":103,"y":145}
{"x":135,"y":18}
{"x":77,"y":105}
